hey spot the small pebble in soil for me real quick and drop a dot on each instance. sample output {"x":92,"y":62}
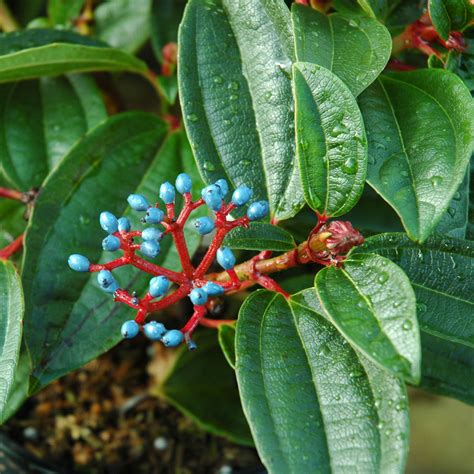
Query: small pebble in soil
{"x":30,"y":433}
{"x":160,"y":443}
{"x":225,"y":469}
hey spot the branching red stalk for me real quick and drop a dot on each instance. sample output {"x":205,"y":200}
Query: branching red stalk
{"x":11,"y":194}
{"x":12,"y":248}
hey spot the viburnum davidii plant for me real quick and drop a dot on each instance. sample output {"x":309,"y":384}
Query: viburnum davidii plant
{"x":295,"y":203}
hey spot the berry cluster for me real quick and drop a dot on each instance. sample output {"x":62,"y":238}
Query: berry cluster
{"x":191,"y":282}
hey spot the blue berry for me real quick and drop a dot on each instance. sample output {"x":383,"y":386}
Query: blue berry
{"x":159,"y":286}
{"x":212,"y":196}
{"x":138,"y":202}
{"x":108,"y":222}
{"x":78,"y":263}
{"x":111,"y":243}
{"x":258,"y":210}
{"x":130,"y":329}
{"x":226,"y":258}
{"x":198,"y":296}
{"x":167,"y":193}
{"x":124,"y":225}
{"x":172,"y":338}
{"x":204,"y":225}
{"x":153,"y":215}
{"x":154,"y":330}
{"x":242,"y":195}
{"x":107,"y":281}
{"x":192,"y":346}
{"x":183,"y":183}
{"x":213,"y":289}
{"x":224,"y":187}
{"x":151,"y":233}
{"x":150,"y":248}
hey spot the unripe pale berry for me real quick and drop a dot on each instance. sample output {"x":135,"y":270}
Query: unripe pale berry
{"x":150,"y":248}
{"x":167,"y":193}
{"x":130,"y":329}
{"x":204,"y":225}
{"x":224,"y":187}
{"x":78,"y":263}
{"x":107,"y":282}
{"x":124,"y":225}
{"x":153,"y":215}
{"x":198,"y":296}
{"x":258,"y":210}
{"x":159,"y":286}
{"x":154,"y":330}
{"x":111,"y":243}
{"x":108,"y":222}
{"x":151,"y":233}
{"x":183,"y":183}
{"x":242,"y":195}
{"x":213,"y":289}
{"x":138,"y":202}
{"x":172,"y":338}
{"x":226,"y":258}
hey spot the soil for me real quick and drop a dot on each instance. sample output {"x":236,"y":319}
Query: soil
{"x":102,"y":419}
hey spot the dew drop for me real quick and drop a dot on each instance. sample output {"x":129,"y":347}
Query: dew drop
{"x":245,"y":162}
{"x":407,"y":325}
{"x":382,"y":278}
{"x":421,"y":307}
{"x":452,"y":212}
{"x":436,"y":181}
{"x":350,"y":165}
{"x":457,"y":196}
{"x":209,"y":166}
{"x":218,"y":80}
{"x":235,"y":86}
{"x":192,"y":117}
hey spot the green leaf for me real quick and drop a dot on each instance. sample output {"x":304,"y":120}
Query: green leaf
{"x":12,"y":219}
{"x":226,"y":334}
{"x":238,"y":112}
{"x":165,"y":18}
{"x":63,"y":12}
{"x":372,"y":303}
{"x":470,"y":221}
{"x":169,"y":87}
{"x":375,"y":8}
{"x":441,"y":272}
{"x":312,"y":404}
{"x":450,"y":15}
{"x":331,"y":141}
{"x":420,"y":128}
{"x":356,"y":49}
{"x":11,"y":320}
{"x":41,"y":120}
{"x":69,"y":320}
{"x":124,"y":24}
{"x":203,"y":386}
{"x":454,"y":221}
{"x":33,"y":53}
{"x":260,"y":236}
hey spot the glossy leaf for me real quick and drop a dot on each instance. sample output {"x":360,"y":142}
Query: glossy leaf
{"x":69,"y":320}
{"x":63,"y":12}
{"x":331,"y":141}
{"x":420,"y":127}
{"x":41,"y":120}
{"x":203,"y":386}
{"x":372,"y":303}
{"x":226,"y":334}
{"x":238,"y":112}
{"x":165,"y":18}
{"x":309,"y":400}
{"x":470,"y":220}
{"x":33,"y":53}
{"x":450,"y":15}
{"x":441,"y":272}
{"x":356,"y":49}
{"x":11,"y":320}
{"x":124,"y":24}
{"x":260,"y":236}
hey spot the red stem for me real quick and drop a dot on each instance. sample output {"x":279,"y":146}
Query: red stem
{"x":11,"y":194}
{"x":12,"y":248}
{"x":215,"y":323}
{"x":199,"y":312}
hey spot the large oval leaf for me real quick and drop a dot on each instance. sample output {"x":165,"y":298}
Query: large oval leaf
{"x":356,"y":49}
{"x":69,"y":320}
{"x":420,"y":128}
{"x":331,"y":142}
{"x":41,"y":120}
{"x":310,"y":402}
{"x":11,"y":320}
{"x":202,"y":385}
{"x":34,"y":53}
{"x":441,"y":272}
{"x":234,"y":67}
{"x":373,"y":304}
